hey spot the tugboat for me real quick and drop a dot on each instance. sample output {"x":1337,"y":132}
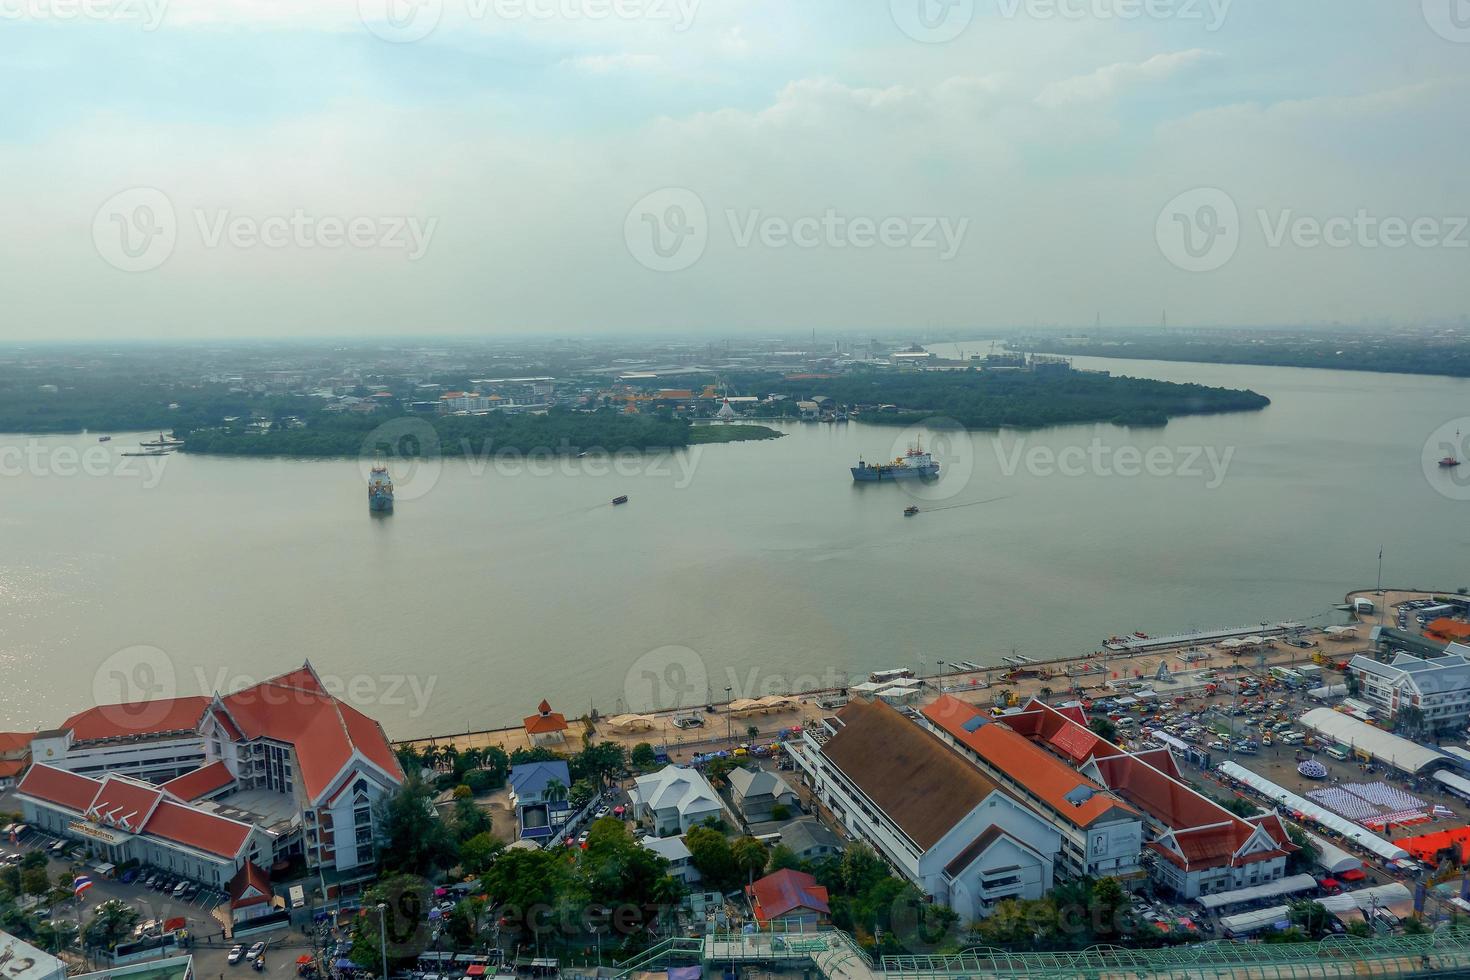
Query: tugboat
{"x":910,"y":510}
{"x":912,"y":465}
{"x":380,"y":490}
{"x":104,"y":438}
{"x":1448,"y":463}
{"x":623,"y":499}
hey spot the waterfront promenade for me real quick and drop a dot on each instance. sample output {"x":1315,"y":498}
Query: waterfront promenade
{"x":1059,"y":678}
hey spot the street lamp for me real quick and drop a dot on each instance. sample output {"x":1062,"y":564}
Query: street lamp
{"x":383,"y":937}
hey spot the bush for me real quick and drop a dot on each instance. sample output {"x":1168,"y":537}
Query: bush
{"x":780,"y":812}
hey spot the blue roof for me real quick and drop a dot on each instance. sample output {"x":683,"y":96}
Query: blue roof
{"x":530,"y":779}
{"x":975,"y":723}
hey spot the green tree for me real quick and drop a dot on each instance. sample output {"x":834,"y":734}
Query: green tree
{"x":783,"y":857}
{"x":710,"y":853}
{"x":1360,"y":929}
{"x":111,"y":923}
{"x":414,"y":839}
{"x":34,"y":881}
{"x":1291,"y":935}
{"x":581,"y":793}
{"x":752,"y":732}
{"x":469,"y":819}
{"x":616,"y":872}
{"x":780,"y":812}
{"x":1413,"y":926}
{"x":1311,"y":917}
{"x":1305,"y":857}
{"x":478,"y":852}
{"x":643,"y":756}
{"x":750,"y":857}
{"x":524,"y":881}
{"x":406,"y":900}
{"x":1103,"y":728}
{"x":861,"y":869}
{"x":55,"y":935}
{"x":1108,"y":905}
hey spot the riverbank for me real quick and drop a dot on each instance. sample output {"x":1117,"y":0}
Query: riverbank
{"x":1064,"y":677}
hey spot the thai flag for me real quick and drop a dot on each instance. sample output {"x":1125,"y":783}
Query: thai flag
{"x":80,"y":884}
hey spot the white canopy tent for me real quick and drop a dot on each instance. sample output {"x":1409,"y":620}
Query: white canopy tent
{"x":1333,"y":859}
{"x":1244,"y":923}
{"x":1382,"y":896}
{"x":1318,"y":814}
{"x":1289,"y":885}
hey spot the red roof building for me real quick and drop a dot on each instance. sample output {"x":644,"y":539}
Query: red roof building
{"x":545,"y":727}
{"x":1196,"y":846}
{"x":1102,"y":835}
{"x":121,"y":819}
{"x":250,"y":893}
{"x":789,"y":898}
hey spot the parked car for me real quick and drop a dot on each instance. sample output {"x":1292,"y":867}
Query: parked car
{"x":255,"y":951}
{"x":180,"y":888}
{"x":237,"y":953}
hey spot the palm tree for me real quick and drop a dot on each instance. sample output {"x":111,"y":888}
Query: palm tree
{"x":1044,"y":694}
{"x":556,"y":791}
{"x":56,"y":934}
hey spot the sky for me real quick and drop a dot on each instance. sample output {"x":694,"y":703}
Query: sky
{"x":239,"y":168}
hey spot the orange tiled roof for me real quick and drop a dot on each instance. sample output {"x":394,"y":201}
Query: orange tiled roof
{"x":786,"y":891}
{"x":296,"y":708}
{"x":200,"y":782}
{"x":139,"y":718}
{"x":15,"y":741}
{"x":1043,"y":774}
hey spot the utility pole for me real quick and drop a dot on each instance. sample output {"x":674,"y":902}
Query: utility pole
{"x":383,"y":937}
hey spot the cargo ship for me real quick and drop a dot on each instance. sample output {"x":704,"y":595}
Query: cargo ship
{"x":380,"y":490}
{"x":912,"y":465}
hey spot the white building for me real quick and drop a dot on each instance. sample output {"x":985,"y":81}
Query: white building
{"x":122,"y":819}
{"x":1438,"y":686}
{"x":676,"y":852}
{"x":153,"y":740}
{"x":945,"y":826}
{"x":756,"y":793}
{"x":674,"y":799}
{"x":1401,"y":753}
{"x":277,"y":769}
{"x":1101,"y":835}
{"x":19,"y":960}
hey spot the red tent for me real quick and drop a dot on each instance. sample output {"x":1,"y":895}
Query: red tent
{"x":1355,"y":874}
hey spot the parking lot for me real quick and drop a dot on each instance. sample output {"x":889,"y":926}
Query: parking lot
{"x":208,"y":946}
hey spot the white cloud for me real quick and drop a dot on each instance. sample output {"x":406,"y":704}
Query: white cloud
{"x":1112,"y":80}
{"x":603,"y":64}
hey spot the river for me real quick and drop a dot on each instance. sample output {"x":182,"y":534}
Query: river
{"x":751,"y":566}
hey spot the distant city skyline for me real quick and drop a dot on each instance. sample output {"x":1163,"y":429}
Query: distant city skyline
{"x":235,"y":169}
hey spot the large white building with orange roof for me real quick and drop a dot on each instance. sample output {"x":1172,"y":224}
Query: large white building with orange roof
{"x":278,"y":769}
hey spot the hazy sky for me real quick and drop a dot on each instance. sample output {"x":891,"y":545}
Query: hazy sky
{"x":268,"y":167}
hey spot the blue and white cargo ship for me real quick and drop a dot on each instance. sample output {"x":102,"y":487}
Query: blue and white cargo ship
{"x":912,"y":465}
{"x":380,"y":490}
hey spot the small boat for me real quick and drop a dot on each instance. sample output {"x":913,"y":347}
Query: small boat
{"x":1140,"y":634}
{"x":910,"y":510}
{"x":104,"y":438}
{"x":1448,"y":463}
{"x":621,"y":499}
